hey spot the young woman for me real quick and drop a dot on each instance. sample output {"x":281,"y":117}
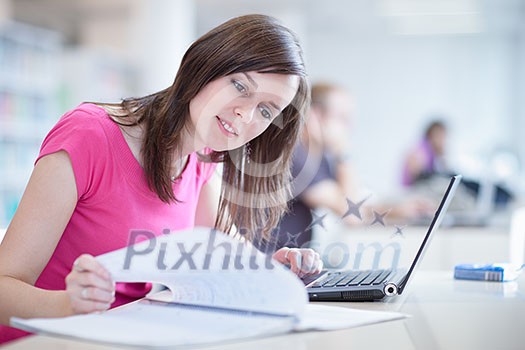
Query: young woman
{"x":148,"y":163}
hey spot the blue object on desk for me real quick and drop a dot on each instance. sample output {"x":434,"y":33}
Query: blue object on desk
{"x":501,"y":272}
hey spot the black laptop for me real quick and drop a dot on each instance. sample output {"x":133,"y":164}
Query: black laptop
{"x":357,"y":285}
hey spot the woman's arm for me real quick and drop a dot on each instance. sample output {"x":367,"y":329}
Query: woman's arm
{"x":328,"y":194}
{"x":31,"y":238}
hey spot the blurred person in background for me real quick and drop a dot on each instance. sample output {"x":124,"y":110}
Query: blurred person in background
{"x":428,"y":157}
{"x":324,"y":176}
{"x":425,"y":166}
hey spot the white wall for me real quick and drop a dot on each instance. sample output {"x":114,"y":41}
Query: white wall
{"x":399,"y":81}
{"x":160,"y":33}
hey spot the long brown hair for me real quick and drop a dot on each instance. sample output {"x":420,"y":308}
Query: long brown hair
{"x":254,"y":193}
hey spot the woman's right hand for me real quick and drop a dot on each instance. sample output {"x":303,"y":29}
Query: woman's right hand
{"x":89,"y":286}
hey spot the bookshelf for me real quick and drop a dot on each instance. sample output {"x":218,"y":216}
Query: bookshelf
{"x":40,"y":79}
{"x":29,"y":85}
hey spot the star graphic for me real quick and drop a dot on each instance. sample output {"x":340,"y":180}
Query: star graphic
{"x":292,"y":240}
{"x":318,"y":220}
{"x":399,"y":232}
{"x":378,"y":218}
{"x":353,"y":208}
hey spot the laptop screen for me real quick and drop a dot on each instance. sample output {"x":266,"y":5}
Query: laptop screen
{"x":436,"y":222}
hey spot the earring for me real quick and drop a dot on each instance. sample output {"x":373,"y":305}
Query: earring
{"x":247,"y":151}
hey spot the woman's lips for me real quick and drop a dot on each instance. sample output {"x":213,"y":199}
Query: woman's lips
{"x":226,"y":128}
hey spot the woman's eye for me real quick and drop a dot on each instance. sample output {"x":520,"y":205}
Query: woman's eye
{"x":239,"y":87}
{"x":265,"y":112}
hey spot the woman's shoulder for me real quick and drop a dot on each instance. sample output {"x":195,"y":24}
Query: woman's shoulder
{"x":83,"y":131}
{"x":86,"y":114}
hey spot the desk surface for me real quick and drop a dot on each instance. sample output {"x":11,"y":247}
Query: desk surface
{"x":446,"y":314}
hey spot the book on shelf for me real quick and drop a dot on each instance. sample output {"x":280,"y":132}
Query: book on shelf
{"x":218,"y":288}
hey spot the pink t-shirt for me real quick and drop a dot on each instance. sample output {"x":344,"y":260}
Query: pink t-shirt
{"x":113,"y":196}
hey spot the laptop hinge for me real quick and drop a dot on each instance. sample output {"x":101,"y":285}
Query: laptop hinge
{"x":402,"y":284}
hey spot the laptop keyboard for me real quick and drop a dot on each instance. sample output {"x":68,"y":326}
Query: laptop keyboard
{"x":351,"y":278}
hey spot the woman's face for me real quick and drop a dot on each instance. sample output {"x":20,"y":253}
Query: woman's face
{"x":333,"y":120}
{"x":437,"y":139}
{"x":234,"y":109}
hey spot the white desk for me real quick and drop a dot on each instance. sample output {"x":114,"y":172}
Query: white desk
{"x":446,"y":314}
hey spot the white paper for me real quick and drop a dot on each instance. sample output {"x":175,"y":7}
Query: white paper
{"x":222,"y":272}
{"x":144,"y":325}
{"x":149,"y":325}
{"x":325,"y":318}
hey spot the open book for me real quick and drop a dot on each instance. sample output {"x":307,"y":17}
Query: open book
{"x":219,"y":289}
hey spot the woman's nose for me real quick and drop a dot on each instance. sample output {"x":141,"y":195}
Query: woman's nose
{"x":245,"y":113}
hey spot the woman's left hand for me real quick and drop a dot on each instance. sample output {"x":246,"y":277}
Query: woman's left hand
{"x":302,"y":261}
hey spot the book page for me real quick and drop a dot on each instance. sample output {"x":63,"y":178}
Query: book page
{"x":145,"y":324}
{"x":162,"y":324}
{"x":202,"y":266}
